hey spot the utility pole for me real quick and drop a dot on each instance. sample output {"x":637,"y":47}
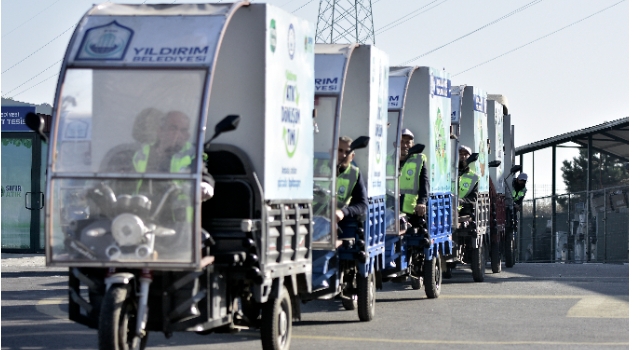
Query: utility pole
{"x":345,"y":21}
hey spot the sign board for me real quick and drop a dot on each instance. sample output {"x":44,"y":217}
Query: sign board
{"x":289,"y":97}
{"x":495,"y":119}
{"x":439,"y":121}
{"x":396,"y":91}
{"x":378,"y":114}
{"x":13,"y":118}
{"x":329,"y":69}
{"x":480,"y":136}
{"x":147,"y":40}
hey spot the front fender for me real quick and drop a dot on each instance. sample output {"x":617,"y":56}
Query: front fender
{"x":119,"y":278}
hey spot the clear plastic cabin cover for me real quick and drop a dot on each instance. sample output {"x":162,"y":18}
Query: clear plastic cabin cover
{"x":124,"y":162}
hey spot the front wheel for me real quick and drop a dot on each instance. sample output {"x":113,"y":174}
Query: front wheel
{"x":275,"y":329}
{"x":366,"y":296}
{"x":417,"y":282}
{"x":432,"y":277}
{"x":117,"y":324}
{"x":351,"y":303}
{"x":477,"y":263}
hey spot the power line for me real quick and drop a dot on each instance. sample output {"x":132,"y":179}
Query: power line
{"x":31,"y":87}
{"x":535,"y":2}
{"x":41,"y":47}
{"x":34,"y":16}
{"x":540,"y":38}
{"x":393,"y":23}
{"x":307,"y":3}
{"x":33,"y":77}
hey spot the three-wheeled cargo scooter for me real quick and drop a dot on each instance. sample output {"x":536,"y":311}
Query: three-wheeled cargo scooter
{"x":469,"y":128}
{"x":351,"y":84}
{"x":419,"y":99}
{"x":143,"y":92}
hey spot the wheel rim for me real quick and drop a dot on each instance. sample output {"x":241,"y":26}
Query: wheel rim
{"x":283,"y":326}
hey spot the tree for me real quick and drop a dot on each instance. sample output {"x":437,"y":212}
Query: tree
{"x":607,"y":171}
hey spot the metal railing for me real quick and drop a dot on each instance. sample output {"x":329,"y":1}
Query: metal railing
{"x":589,"y":226}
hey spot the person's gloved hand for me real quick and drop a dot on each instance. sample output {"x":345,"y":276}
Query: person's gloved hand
{"x":207,"y":191}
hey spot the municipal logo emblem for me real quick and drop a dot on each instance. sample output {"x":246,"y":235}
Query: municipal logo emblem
{"x":341,"y":190}
{"x":410,"y":172}
{"x":465,"y":185}
{"x":291,"y":44}
{"x":107,"y":42}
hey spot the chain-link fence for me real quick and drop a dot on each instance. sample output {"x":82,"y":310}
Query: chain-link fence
{"x":590,"y":226}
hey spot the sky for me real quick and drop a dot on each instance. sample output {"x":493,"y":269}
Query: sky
{"x":559,"y":73}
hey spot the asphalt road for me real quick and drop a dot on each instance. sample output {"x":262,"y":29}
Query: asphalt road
{"x":530,"y":306}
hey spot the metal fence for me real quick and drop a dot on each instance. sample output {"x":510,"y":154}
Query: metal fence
{"x":590,"y":226}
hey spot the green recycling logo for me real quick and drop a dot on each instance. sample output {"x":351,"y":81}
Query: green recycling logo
{"x":290,"y":117}
{"x":273,"y":35}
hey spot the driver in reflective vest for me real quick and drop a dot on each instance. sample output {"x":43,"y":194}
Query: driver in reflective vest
{"x":468,"y":183}
{"x":351,"y":193}
{"x":519,"y":189}
{"x":173,"y":153}
{"x":414,"y":179}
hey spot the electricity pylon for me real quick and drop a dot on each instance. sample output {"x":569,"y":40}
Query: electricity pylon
{"x":345,"y":21}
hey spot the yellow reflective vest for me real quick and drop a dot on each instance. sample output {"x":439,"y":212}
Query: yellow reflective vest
{"x":410,"y":181}
{"x":345,"y":183}
{"x":180,"y":162}
{"x":467,"y":182}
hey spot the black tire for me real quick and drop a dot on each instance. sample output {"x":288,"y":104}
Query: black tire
{"x":116,"y":327}
{"x":276,"y":326}
{"x":509,"y":252}
{"x":417,"y":283}
{"x":477,"y":263}
{"x":496,"y":258}
{"x":366,"y":296}
{"x":350,"y":304}
{"x":448,"y":271}
{"x":433,"y":277}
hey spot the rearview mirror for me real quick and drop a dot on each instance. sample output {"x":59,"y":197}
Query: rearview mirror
{"x":360,"y":142}
{"x":229,"y":123}
{"x":416,"y":149}
{"x":472,"y":158}
{"x":515,"y":169}
{"x":494,"y":163}
{"x":35,"y":122}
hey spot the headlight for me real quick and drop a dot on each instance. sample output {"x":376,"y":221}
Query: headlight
{"x":128,"y":229}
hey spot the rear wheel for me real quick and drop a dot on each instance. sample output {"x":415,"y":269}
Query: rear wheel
{"x":366,"y":296}
{"x":117,"y":324}
{"x":432,"y":277}
{"x":275,"y":329}
{"x":477,"y":263}
{"x":496,"y":258}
